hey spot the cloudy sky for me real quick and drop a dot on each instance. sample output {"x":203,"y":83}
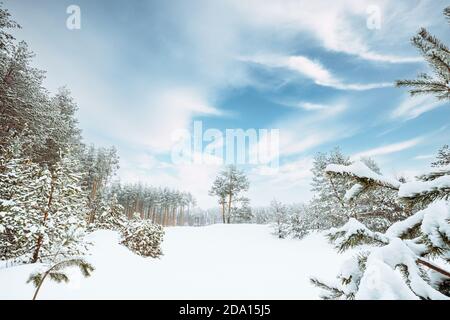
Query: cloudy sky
{"x":316,"y":70}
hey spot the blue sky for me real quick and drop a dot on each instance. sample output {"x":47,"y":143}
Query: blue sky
{"x":312,"y":69}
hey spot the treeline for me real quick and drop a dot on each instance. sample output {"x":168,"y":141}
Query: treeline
{"x":160,"y":205}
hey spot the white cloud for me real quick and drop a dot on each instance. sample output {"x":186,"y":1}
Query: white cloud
{"x":289,"y":183}
{"x":388,"y":149}
{"x":312,"y":69}
{"x":312,"y":106}
{"x":152,"y":121}
{"x":341,"y":27}
{"x":299,"y":133}
{"x":424,"y":157}
{"x":412,"y":107}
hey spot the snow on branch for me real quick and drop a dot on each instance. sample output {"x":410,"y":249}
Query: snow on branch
{"x":395,"y":255}
{"x":363,"y":174}
{"x":436,"y":188}
{"x":354,"y":233}
{"x":402,"y":227}
{"x":434,"y":173}
{"x":353,"y":192}
{"x":436,"y":224}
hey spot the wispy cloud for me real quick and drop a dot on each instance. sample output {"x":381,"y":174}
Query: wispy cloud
{"x":413,"y":107}
{"x":424,"y":157}
{"x":289,"y":183}
{"x":389,"y":148}
{"x":312,"y":69}
{"x":341,"y":27}
{"x":300,"y":133}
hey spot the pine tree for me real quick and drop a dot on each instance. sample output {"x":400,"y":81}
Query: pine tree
{"x":227,"y":186}
{"x":438,"y":57}
{"x":111,"y":215}
{"x":328,"y":207}
{"x":56,"y":273}
{"x":241,"y":211}
{"x":6,"y":23}
{"x":280,"y":219}
{"x":299,"y":226}
{"x":411,"y":251}
{"x":41,"y":210}
{"x":62,"y":216}
{"x":20,"y":182}
{"x":442,"y":158}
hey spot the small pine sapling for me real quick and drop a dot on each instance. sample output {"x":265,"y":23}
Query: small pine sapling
{"x":56,"y":273}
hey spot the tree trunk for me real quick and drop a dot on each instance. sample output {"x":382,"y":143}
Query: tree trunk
{"x":223,"y":212}
{"x":230,"y":196}
{"x":40,"y":237}
{"x":91,"y":201}
{"x":181,"y":216}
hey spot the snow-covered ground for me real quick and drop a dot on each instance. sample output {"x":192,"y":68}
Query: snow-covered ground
{"x":213,"y":262}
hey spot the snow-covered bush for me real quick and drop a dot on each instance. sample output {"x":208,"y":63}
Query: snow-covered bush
{"x":412,"y":258}
{"x":143,"y":237}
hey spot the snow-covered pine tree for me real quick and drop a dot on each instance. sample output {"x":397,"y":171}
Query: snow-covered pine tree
{"x":100,"y":165}
{"x":20,"y":219}
{"x":262,"y":215}
{"x":377,"y":208}
{"x":241,"y":211}
{"x":412,"y":258}
{"x":299,"y":225}
{"x":41,"y":210}
{"x":443,"y":157}
{"x":62,"y":222}
{"x":280,"y":219}
{"x":328,"y":208}
{"x":111,"y":215}
{"x":6,"y":23}
{"x":398,"y":267}
{"x":227,"y":186}
{"x":333,"y":203}
{"x":437,"y":55}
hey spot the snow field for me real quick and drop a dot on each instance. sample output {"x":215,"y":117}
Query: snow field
{"x":212,"y":262}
